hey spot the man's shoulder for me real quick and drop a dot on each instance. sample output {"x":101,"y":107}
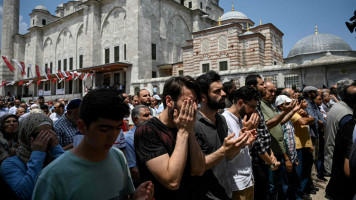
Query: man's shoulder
{"x":57,"y":167}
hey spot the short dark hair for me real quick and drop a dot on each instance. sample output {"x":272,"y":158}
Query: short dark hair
{"x":61,"y":105}
{"x":349,"y":98}
{"x":205,"y":80}
{"x":227,"y":86}
{"x":252,"y":79}
{"x":98,"y":102}
{"x":138,"y":93}
{"x":44,"y":106}
{"x":246,"y":93}
{"x":40,"y":97}
{"x":173,"y":87}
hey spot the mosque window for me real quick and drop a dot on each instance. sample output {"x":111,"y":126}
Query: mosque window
{"x":272,"y":79}
{"x":28,"y":72}
{"x":180,"y":72}
{"x":291,"y":81}
{"x":46,"y":68}
{"x":222,"y":43}
{"x":223,"y":65}
{"x":245,"y":44}
{"x":59,"y":65}
{"x":205,"y":46}
{"x":124,"y":51}
{"x":51,"y":67}
{"x":190,"y":4}
{"x":71,"y":63}
{"x":43,"y":22}
{"x":80,"y":61}
{"x":205,"y":67}
{"x":33,"y":22}
{"x":117,"y":53}
{"x":153,"y":51}
{"x":182,"y":2}
{"x":107,"y":56}
{"x":154,"y":74}
{"x":201,"y":5}
{"x":65,"y":65}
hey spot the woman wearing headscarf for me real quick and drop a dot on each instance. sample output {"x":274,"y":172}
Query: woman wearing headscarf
{"x":39,"y":146}
{"x":9,"y":126}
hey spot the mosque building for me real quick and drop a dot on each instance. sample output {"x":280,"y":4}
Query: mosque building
{"x":116,"y":42}
{"x":140,"y":44}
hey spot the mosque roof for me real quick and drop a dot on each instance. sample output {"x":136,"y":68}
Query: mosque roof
{"x":41,"y":7}
{"x":317,"y":43}
{"x":233,"y":15}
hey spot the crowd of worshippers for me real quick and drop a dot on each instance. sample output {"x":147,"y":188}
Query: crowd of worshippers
{"x":199,"y":139}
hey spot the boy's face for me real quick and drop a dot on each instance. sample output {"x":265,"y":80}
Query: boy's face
{"x":101,"y":134}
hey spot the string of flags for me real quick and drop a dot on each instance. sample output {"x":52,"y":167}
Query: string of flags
{"x":59,"y":76}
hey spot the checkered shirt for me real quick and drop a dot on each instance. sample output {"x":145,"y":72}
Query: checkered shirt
{"x":65,"y":130}
{"x":262,"y":143}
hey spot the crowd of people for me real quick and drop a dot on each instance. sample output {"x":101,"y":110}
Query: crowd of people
{"x":199,"y":139}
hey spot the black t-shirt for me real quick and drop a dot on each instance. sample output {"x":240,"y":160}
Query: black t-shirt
{"x":340,"y":186}
{"x":214,"y":184}
{"x":153,"y":139}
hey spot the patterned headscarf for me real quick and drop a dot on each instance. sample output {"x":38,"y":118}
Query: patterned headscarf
{"x":27,"y":126}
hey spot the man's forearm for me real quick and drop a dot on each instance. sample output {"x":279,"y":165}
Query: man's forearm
{"x":266,"y":158}
{"x":275,"y":121}
{"x":287,"y":117}
{"x":197,"y":158}
{"x":214,"y":158}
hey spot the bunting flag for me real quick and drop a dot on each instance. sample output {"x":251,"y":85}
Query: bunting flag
{"x":82,"y":76}
{"x":49,"y":73}
{"x":54,"y":80}
{"x":60,"y":74}
{"x":70,"y":77}
{"x":20,"y":83}
{"x":29,"y":83}
{"x":60,"y":80}
{"x":11,"y":83}
{"x":64,"y":74}
{"x":39,"y":82}
{"x":20,"y":66}
{"x":86,"y":76}
{"x":38,"y":71}
{"x":23,"y":67}
{"x":8,"y":64}
{"x":30,"y":70}
{"x":44,"y":72}
{"x":3,"y":83}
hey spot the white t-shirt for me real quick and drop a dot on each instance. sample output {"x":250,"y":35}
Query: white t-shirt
{"x":240,"y":167}
{"x":13,"y":110}
{"x":54,"y":117}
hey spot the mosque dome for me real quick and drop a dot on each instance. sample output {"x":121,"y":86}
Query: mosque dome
{"x":41,"y":7}
{"x":317,"y":43}
{"x":233,"y":15}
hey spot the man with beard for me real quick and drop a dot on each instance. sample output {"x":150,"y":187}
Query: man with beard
{"x":229,"y":88}
{"x":261,"y":153}
{"x":13,"y":109}
{"x":211,"y":132}
{"x":244,"y":106}
{"x":145,"y":99}
{"x":166,"y":149}
{"x":273,"y":123}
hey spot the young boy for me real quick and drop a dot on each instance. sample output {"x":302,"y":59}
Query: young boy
{"x":93,"y":170}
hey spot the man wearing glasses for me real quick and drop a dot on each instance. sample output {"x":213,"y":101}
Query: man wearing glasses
{"x":58,"y":111}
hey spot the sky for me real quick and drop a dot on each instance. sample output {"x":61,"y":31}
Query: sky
{"x":295,"y":18}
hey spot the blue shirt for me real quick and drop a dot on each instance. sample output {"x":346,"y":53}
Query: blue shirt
{"x":21,"y":177}
{"x":313,"y":111}
{"x":3,"y":111}
{"x":130,"y":148}
{"x":65,"y":130}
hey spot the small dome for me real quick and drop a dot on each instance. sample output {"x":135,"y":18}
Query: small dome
{"x":233,"y":15}
{"x":317,"y":43}
{"x":41,"y":7}
{"x":60,"y":5}
{"x":248,"y":33}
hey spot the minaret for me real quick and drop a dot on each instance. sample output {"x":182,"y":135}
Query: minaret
{"x":316,"y":29}
{"x":10,"y":27}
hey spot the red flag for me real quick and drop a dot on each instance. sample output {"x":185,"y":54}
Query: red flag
{"x":60,"y":74}
{"x":39,"y":82}
{"x":81,"y":78}
{"x":54,"y":80}
{"x":23,"y":72}
{"x":3,"y":83}
{"x":38,"y":71}
{"x":8,"y":64}
{"x":70,"y":77}
{"x":20,"y":83}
